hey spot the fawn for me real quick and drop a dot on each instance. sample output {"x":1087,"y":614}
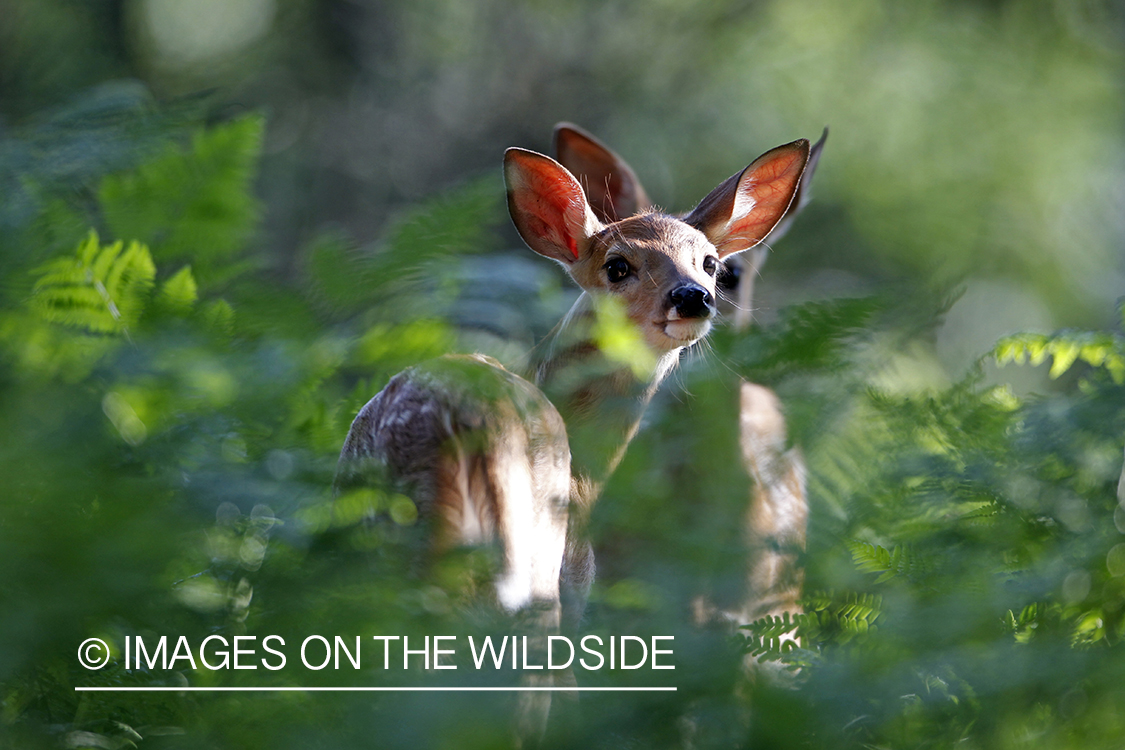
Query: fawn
{"x":485,"y":454}
{"x":776,"y":516}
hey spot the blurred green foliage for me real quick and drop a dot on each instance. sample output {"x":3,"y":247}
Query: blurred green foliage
{"x":188,"y":324}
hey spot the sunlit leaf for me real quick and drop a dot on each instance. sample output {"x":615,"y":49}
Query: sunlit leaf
{"x":101,"y":290}
{"x":179,"y":292}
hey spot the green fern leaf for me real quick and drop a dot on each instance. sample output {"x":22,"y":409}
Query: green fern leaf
{"x":830,"y":618}
{"x":764,"y":638}
{"x":1065,"y":348}
{"x":1064,"y":352}
{"x":219,"y":317}
{"x":871,"y":558}
{"x":1024,"y":626}
{"x":100,"y":289}
{"x":194,"y":203}
{"x":179,"y":293}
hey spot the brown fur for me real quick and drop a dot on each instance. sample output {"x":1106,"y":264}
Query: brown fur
{"x":486,"y":456}
{"x":777,"y":512}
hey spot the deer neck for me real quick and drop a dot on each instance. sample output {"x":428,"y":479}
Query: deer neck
{"x":601,"y":390}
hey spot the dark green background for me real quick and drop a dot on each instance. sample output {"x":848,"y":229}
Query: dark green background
{"x":328,"y":173}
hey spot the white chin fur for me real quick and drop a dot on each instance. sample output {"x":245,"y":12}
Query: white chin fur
{"x":687,"y":332}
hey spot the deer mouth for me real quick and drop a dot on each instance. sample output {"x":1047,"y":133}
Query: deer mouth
{"x":685,"y":331}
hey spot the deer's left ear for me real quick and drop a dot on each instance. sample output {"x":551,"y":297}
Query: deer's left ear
{"x":611,"y":185}
{"x":547,"y":206}
{"x":739,"y":213}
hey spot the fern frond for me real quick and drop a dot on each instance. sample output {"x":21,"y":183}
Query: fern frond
{"x":765,"y":638}
{"x":100,"y":289}
{"x":218,"y":315}
{"x":1024,"y":625}
{"x":179,"y":293}
{"x":830,"y":618}
{"x":899,"y":560}
{"x":1065,"y":348}
{"x":192,"y":203}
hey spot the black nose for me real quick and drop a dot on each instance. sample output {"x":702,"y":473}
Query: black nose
{"x":691,"y":301}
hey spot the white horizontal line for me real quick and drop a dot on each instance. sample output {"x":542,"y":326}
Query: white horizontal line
{"x":369,"y":689}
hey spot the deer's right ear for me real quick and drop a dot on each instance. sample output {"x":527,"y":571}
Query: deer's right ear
{"x":611,"y":186}
{"x":547,"y":206}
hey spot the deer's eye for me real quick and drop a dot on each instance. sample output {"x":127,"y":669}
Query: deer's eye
{"x":616,"y":269}
{"x":728,"y":278}
{"x":710,"y":265}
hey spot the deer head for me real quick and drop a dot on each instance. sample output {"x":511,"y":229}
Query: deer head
{"x":660,"y":268}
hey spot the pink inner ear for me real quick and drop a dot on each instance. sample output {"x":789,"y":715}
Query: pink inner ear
{"x":762,"y":198}
{"x":547,"y":231}
{"x":757,"y":203}
{"x":554,"y":213}
{"x":538,"y":227}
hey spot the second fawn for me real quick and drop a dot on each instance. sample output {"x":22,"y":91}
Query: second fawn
{"x":485,"y":454}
